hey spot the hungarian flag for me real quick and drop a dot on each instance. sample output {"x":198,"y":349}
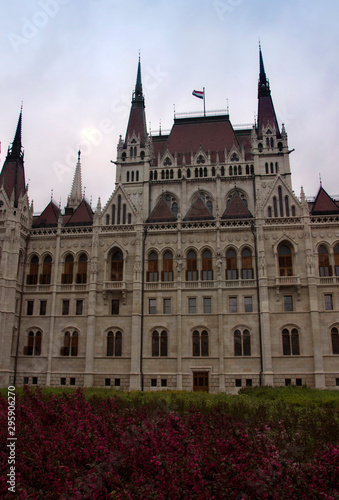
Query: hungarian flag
{"x":198,"y":93}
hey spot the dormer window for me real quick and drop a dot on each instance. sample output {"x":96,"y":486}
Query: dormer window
{"x":167,"y":161}
{"x":201,"y":159}
{"x":234,"y":157}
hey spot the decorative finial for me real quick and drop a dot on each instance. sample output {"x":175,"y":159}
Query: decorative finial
{"x":320,"y":180}
{"x":51,"y":194}
{"x":159,"y":127}
{"x":228,"y":110}
{"x":84,"y":191}
{"x":79,"y":153}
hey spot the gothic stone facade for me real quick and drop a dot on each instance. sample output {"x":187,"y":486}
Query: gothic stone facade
{"x":203,"y":271}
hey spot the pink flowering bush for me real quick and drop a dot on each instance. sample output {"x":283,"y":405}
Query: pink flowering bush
{"x":111,"y":448}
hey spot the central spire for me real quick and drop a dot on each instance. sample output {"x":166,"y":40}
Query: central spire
{"x":266,"y":112}
{"x":263,"y":85}
{"x":137,"y":120}
{"x":76,"y":195}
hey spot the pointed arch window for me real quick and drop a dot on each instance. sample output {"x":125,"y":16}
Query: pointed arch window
{"x":159,"y":344}
{"x":324,"y":262}
{"x":32,"y":277}
{"x":45,"y":277}
{"x":153,"y":270}
{"x":246,"y":264}
{"x":207,"y":270}
{"x":167,"y":266}
{"x":82,"y":269}
{"x":287,"y":206}
{"x":70,"y":347}
{"x":242,"y":343}
{"x":281,"y":206}
{"x":275,"y":206}
{"x":290,"y":340}
{"x":114,"y":344}
{"x":67,"y":277}
{"x":231,"y":265}
{"x":285,"y":261}
{"x":191,"y":266}
{"x":336,"y":260}
{"x":33,"y":347}
{"x":117,"y":266}
{"x":335,"y":340}
{"x":200,"y":343}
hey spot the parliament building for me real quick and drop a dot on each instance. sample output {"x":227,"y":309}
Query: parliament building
{"x":203,"y":270}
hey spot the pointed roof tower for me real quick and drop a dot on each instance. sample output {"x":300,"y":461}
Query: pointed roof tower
{"x":137,"y":118}
{"x":12,"y":176}
{"x":76,"y":196}
{"x":266,"y":112}
{"x":324,"y":204}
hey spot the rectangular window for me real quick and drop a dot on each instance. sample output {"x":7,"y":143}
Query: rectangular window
{"x":328,"y":302}
{"x":337,"y":382}
{"x":163,"y":382}
{"x":207,"y":301}
{"x":153,"y":382}
{"x":233,"y":303}
{"x":115,"y":306}
{"x":248,"y":304}
{"x":299,"y":382}
{"x":248,"y":382}
{"x":43,"y":307}
{"x":288,"y":303}
{"x":26,"y":380}
{"x":34,"y":380}
{"x":288,"y":382}
{"x":65,"y":307}
{"x":30,"y":304}
{"x":72,"y":381}
{"x":192,"y":305}
{"x":63,"y":381}
{"x":79,"y":307}
{"x":238,"y":382}
{"x":167,"y":306}
{"x":117,"y":382}
{"x":107,"y":382}
{"x":152,"y":306}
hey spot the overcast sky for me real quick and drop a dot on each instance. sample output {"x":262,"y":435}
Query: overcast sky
{"x":73,"y":64}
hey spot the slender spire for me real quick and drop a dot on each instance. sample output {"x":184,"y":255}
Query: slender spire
{"x":12,"y":176}
{"x":76,"y":194}
{"x":137,"y":119}
{"x":266,"y":112}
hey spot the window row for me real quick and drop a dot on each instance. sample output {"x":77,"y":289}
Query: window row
{"x":198,"y":172}
{"x":281,"y":206}
{"x":193,"y":306}
{"x":325,"y":260}
{"x":66,"y":307}
{"x":200,"y":343}
{"x":42,"y":272}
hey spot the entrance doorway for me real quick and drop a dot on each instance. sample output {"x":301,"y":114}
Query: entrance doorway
{"x":200,"y":381}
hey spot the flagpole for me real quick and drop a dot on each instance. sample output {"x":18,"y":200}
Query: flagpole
{"x":204,"y":101}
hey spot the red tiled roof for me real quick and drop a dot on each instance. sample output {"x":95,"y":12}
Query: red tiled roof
{"x":161,"y":212}
{"x":82,"y":216}
{"x":198,"y":211}
{"x":324,"y":204}
{"x":236,"y":209}
{"x":12,"y":177}
{"x":137,"y":122}
{"x":266,"y":114}
{"x":49,"y":217}
{"x":213,"y":133}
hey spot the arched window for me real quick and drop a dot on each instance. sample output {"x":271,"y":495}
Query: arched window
{"x":247,"y":169}
{"x":167,"y":266}
{"x":246,"y":264}
{"x":33,"y":347}
{"x":290,"y":341}
{"x":107,"y":220}
{"x":287,"y":206}
{"x":117,"y":266}
{"x":67,"y":277}
{"x":119,"y":210}
{"x":275,"y":206}
{"x":159,"y":343}
{"x":82,"y":269}
{"x":114,"y":344}
{"x":266,"y":168}
{"x":127,"y":176}
{"x":242,"y":343}
{"x":335,"y":340}
{"x":200,"y":343}
{"x":269,"y":212}
{"x":285,"y":261}
{"x":213,"y":171}
{"x":45,"y":277}
{"x":222,"y":171}
{"x":132,"y":176}
{"x":124,"y":213}
{"x":324,"y":262}
{"x":137,"y":175}
{"x":336,"y":260}
{"x":129,"y":219}
{"x":70,"y":347}
{"x":153,"y":270}
{"x":196,"y":172}
{"x":179,"y":173}
{"x":188,"y":173}
{"x":32,"y":277}
{"x":113,"y":214}
{"x":191,"y":266}
{"x":281,"y":206}
{"x":231,"y":265}
{"x":207,"y":271}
